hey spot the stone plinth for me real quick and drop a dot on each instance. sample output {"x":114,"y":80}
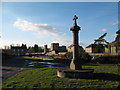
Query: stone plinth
{"x":68,"y":73}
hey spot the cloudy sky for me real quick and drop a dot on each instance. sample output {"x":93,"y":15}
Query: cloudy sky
{"x":43,"y":23}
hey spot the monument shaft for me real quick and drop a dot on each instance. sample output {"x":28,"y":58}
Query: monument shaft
{"x":75,"y":45}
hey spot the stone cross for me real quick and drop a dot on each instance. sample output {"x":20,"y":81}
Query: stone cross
{"x":75,"y":18}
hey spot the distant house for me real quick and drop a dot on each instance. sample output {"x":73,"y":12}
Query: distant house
{"x":95,"y":48}
{"x":114,"y":47}
{"x":18,"y":50}
{"x":99,"y":45}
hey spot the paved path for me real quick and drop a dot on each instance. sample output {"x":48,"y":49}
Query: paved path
{"x":13,"y":66}
{"x":11,"y":71}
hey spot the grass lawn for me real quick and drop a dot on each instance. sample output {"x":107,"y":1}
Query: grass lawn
{"x":31,"y":58}
{"x":53,"y":61}
{"x":104,"y":77}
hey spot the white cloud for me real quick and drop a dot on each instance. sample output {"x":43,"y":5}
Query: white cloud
{"x":114,"y":35}
{"x":115,"y":23}
{"x":40,"y":28}
{"x":67,"y":42}
{"x":104,"y":30}
{"x":62,"y":41}
{"x":83,"y":44}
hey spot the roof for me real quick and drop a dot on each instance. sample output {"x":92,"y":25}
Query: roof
{"x":89,"y":46}
{"x":16,"y":47}
{"x":118,"y":32}
{"x":114,"y":43}
{"x":94,"y":45}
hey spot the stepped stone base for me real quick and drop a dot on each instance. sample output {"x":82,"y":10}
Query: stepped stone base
{"x":68,"y":73}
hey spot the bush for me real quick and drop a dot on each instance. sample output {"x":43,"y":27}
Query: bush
{"x":107,"y":59}
{"x":84,"y":57}
{"x":69,"y":55}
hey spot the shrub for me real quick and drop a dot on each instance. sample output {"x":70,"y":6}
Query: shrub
{"x":69,"y":55}
{"x":84,"y":57}
{"x":107,"y":59}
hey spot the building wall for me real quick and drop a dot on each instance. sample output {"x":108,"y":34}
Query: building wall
{"x":95,"y":48}
{"x":80,"y":49}
{"x":18,"y":52}
{"x":118,"y":49}
{"x":107,"y":50}
{"x":54,"y":46}
{"x":113,"y":49}
{"x":62,"y":49}
{"x":88,"y":50}
{"x":98,"y":49}
{"x":45,"y":49}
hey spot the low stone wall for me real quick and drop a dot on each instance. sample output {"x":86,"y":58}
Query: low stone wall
{"x":43,"y":57}
{"x":104,"y":54}
{"x":113,"y":59}
{"x":49,"y":57}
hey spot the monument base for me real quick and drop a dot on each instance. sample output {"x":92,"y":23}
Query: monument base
{"x":68,"y":73}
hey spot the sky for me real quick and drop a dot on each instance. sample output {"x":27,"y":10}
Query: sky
{"x":49,"y":22}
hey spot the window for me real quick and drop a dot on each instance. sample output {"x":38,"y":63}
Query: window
{"x":18,"y":50}
{"x":13,"y":50}
{"x":22,"y":50}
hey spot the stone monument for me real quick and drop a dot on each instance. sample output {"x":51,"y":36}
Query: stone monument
{"x":75,"y":63}
{"x":75,"y":70}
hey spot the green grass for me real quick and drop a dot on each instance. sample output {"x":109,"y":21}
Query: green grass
{"x":35,"y":59}
{"x":31,"y":58}
{"x":105,"y":77}
{"x":54,"y":60}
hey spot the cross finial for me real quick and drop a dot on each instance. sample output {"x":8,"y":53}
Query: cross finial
{"x":75,"y":18}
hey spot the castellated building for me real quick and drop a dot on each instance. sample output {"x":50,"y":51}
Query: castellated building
{"x":45,"y":49}
{"x":54,"y":46}
{"x":56,"y":49}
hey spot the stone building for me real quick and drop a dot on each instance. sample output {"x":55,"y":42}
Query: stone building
{"x":80,"y":49}
{"x":114,"y":47}
{"x":55,"y":48}
{"x":46,"y":49}
{"x":95,"y":48}
{"x":102,"y":46}
{"x":18,"y":50}
{"x":62,"y":49}
{"x":99,"y":46}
